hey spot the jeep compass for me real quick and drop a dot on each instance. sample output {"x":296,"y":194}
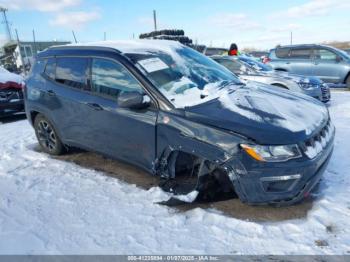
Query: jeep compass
{"x":181,"y":116}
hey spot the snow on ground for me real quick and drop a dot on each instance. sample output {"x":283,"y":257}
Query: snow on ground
{"x":49,"y":206}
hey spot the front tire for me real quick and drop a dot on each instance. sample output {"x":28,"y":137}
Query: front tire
{"x":47,"y":136}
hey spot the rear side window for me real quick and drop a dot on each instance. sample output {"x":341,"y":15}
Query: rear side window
{"x":300,"y":53}
{"x":282,"y":52}
{"x":72,"y":71}
{"x":50,"y":68}
{"x":110,"y":78}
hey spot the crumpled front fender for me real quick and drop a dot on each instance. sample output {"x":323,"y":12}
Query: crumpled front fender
{"x":176,"y":133}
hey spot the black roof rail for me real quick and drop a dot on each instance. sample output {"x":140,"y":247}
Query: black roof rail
{"x":53,"y":49}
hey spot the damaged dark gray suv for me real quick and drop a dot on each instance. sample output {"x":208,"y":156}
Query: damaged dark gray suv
{"x":179,"y":115}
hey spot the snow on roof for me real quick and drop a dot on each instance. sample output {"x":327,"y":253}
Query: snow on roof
{"x":134,"y":46}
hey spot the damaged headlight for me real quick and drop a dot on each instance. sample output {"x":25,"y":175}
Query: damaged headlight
{"x":272,"y":153}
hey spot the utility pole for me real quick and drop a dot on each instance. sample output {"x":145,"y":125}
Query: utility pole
{"x":155,"y":20}
{"x":291,"y":37}
{"x":20,"y":53}
{"x":34,"y":41}
{"x":104,"y":36}
{"x":6,"y":22}
{"x":75,"y":39}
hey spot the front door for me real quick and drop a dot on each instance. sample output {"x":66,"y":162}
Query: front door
{"x":123,"y":133}
{"x":326,"y":66}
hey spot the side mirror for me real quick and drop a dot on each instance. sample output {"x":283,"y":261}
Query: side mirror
{"x":338,"y":59}
{"x":133,"y":100}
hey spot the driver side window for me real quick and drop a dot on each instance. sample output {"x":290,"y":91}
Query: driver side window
{"x":325,"y":54}
{"x":111,"y":79}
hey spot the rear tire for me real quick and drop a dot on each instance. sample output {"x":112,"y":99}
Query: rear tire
{"x":47,"y":136}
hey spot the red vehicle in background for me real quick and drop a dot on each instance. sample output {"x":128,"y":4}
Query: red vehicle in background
{"x":11,"y":93}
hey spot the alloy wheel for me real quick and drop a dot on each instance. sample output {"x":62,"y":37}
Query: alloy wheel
{"x":46,"y":135}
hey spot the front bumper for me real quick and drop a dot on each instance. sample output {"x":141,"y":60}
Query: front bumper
{"x":283,"y":183}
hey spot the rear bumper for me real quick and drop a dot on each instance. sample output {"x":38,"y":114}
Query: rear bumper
{"x":279,"y":183}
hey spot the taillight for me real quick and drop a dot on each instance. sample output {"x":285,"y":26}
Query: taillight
{"x":266,"y":60}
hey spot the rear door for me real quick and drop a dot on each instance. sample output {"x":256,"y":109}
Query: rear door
{"x":67,"y":93}
{"x":300,"y":61}
{"x":326,"y":66}
{"x":124,"y":133}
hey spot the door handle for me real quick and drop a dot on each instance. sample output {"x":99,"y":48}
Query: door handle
{"x":287,"y":63}
{"x":51,"y":93}
{"x":95,"y":106}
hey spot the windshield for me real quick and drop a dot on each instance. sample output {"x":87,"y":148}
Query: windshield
{"x":255,"y":64}
{"x":184,"y":76}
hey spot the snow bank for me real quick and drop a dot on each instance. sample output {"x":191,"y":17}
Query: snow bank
{"x":49,"y":206}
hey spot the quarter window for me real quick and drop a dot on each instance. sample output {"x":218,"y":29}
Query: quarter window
{"x":110,"y":78}
{"x":50,"y":68}
{"x":72,"y":71}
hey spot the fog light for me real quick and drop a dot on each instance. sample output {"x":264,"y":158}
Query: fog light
{"x":279,"y":184}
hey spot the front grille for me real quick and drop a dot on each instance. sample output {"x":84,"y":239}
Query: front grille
{"x":315,"y":145}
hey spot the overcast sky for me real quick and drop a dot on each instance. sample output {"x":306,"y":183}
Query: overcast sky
{"x":254,"y":23}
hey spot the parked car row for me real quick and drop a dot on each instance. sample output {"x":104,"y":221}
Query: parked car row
{"x":181,"y":116}
{"x":311,"y":86}
{"x":330,"y":64}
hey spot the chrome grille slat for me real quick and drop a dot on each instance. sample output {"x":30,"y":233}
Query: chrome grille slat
{"x":315,"y":145}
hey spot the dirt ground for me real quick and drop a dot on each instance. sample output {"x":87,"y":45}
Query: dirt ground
{"x":231,"y":207}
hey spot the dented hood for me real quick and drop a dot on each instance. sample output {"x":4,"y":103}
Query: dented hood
{"x":265,"y":114}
